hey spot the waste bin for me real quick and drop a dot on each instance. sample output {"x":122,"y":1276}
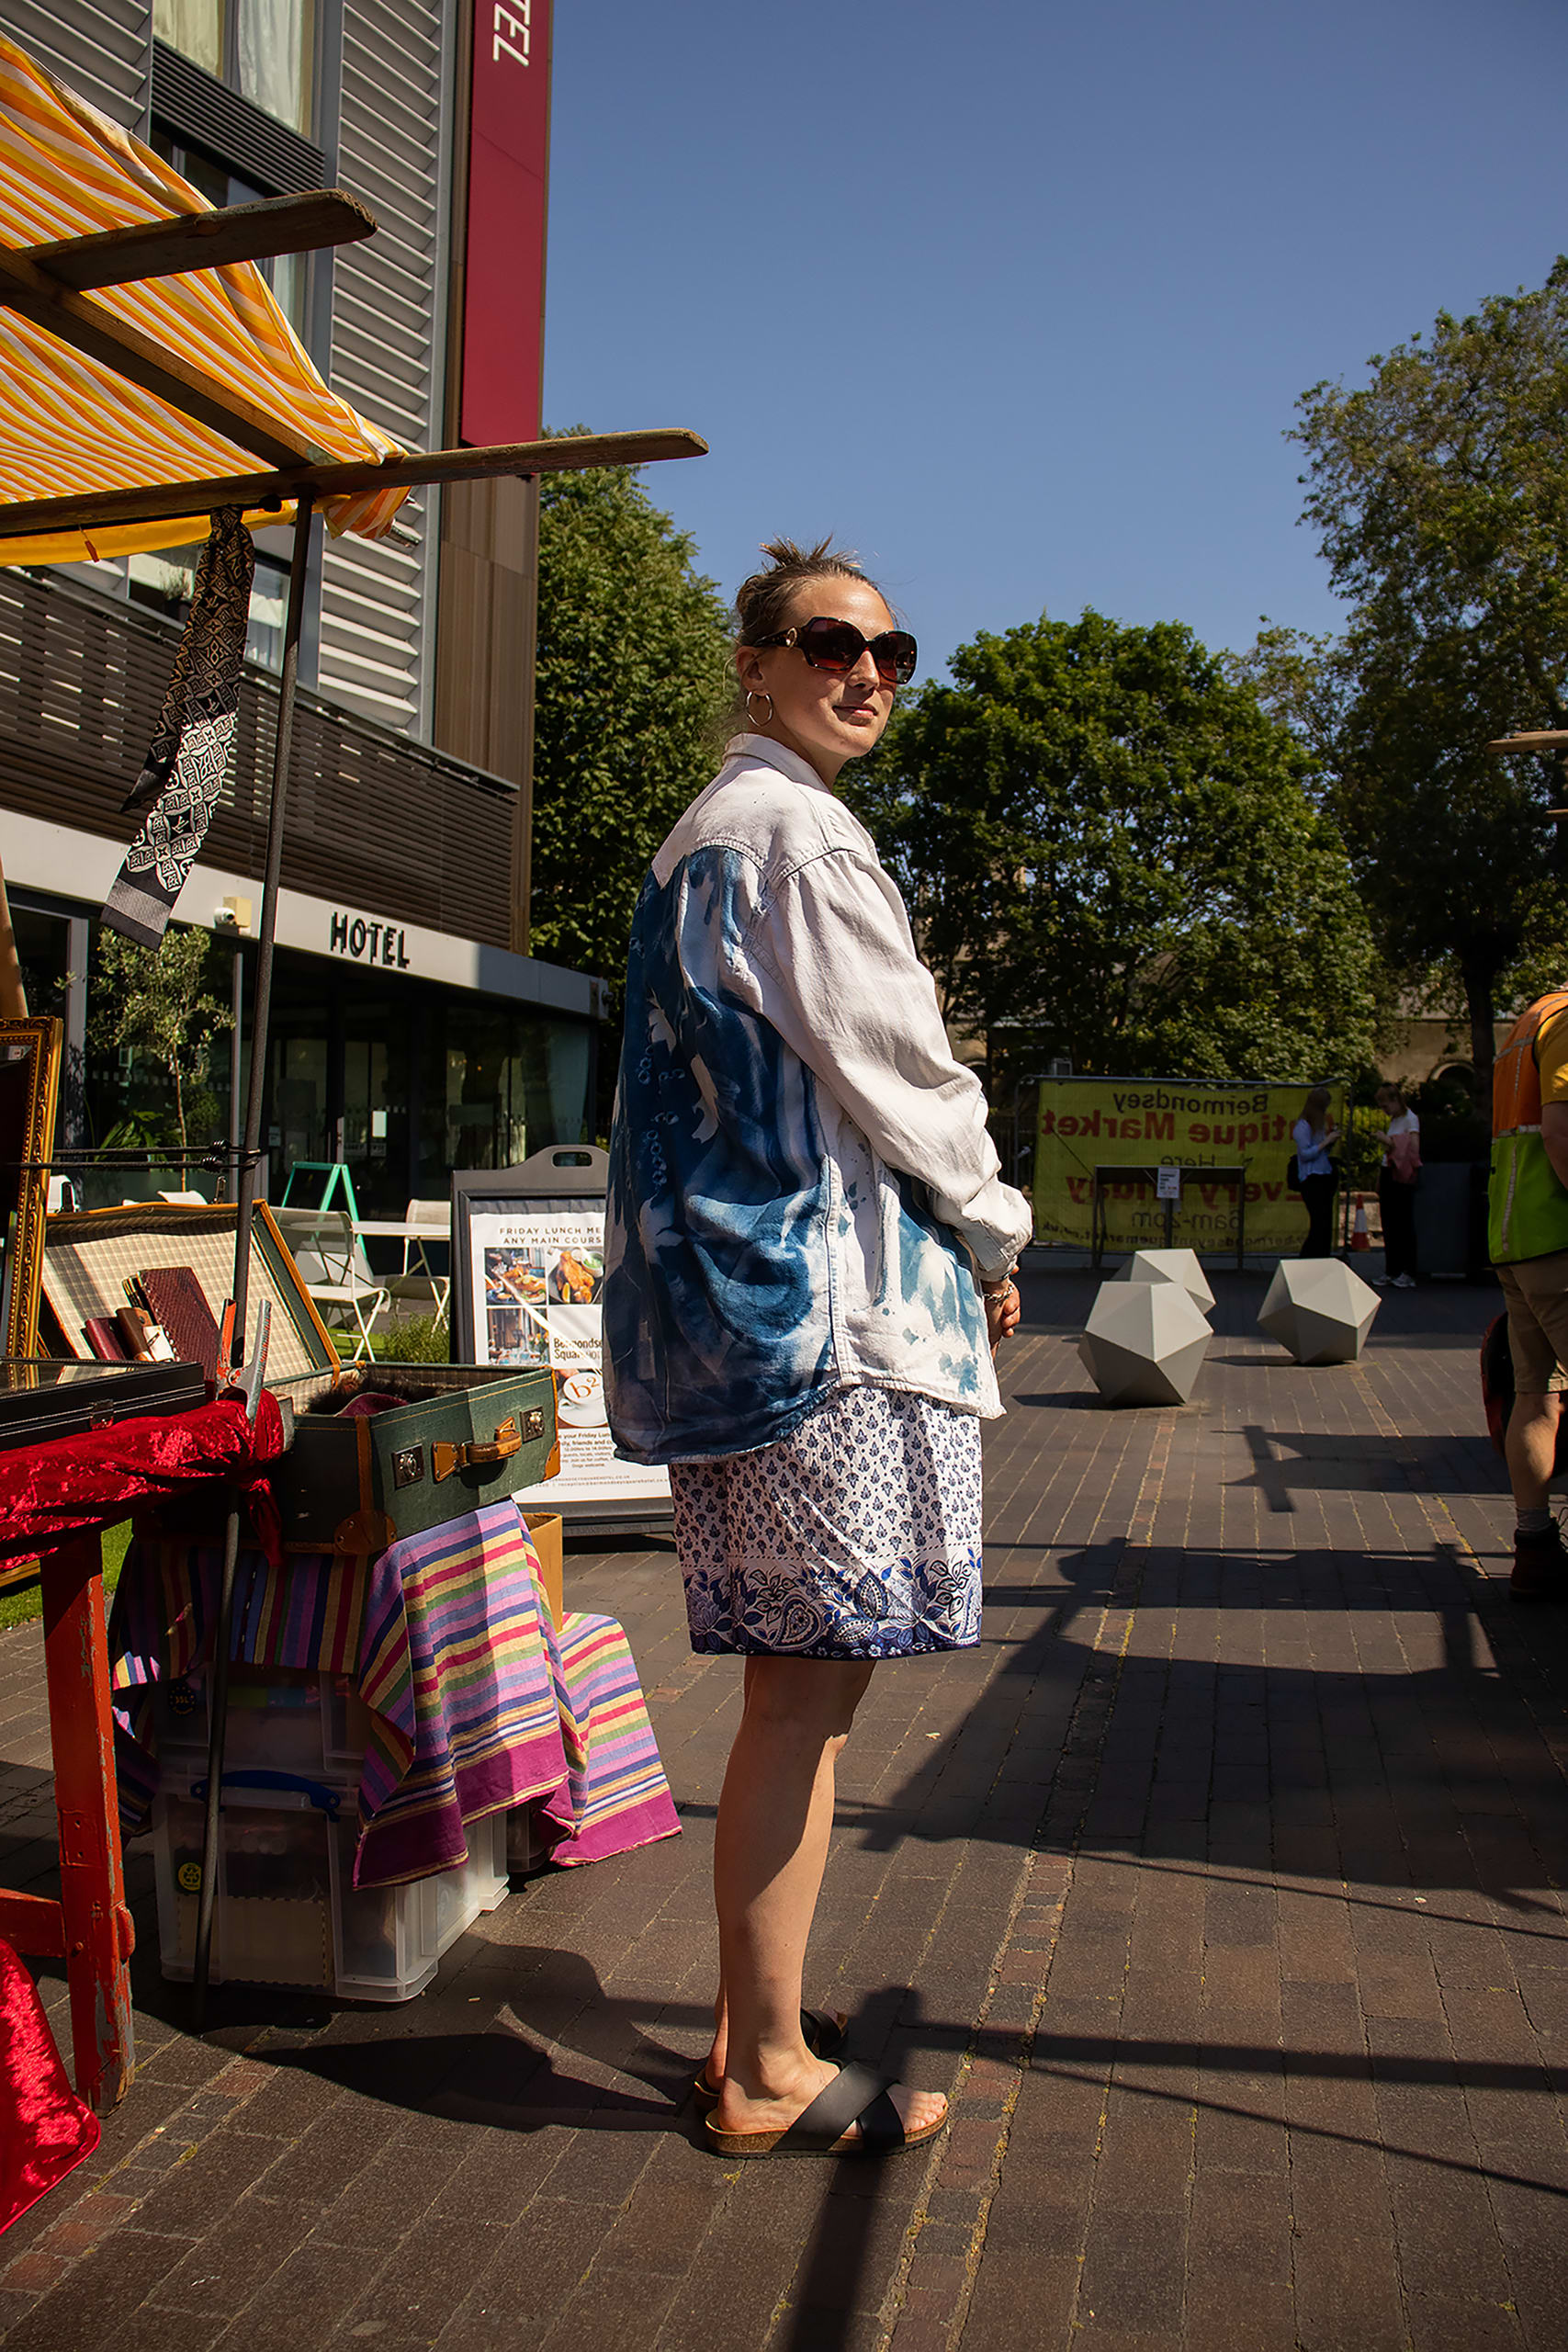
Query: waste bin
{"x":1443,"y":1244}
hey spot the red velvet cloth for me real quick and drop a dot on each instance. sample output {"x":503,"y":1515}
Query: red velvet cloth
{"x":45,"y":2129}
{"x":51,"y":1491}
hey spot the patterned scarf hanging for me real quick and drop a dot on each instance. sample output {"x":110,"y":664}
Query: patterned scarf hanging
{"x":189,"y":757}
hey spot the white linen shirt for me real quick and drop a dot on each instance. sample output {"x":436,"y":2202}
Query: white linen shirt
{"x":802,"y":1186}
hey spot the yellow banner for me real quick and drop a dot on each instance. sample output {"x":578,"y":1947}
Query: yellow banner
{"x":1230,"y":1142}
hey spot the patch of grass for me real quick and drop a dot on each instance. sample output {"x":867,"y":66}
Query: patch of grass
{"x":16,"y":1607}
{"x":420,"y":1340}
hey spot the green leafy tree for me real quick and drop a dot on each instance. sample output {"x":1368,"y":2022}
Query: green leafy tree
{"x":1106,"y":845}
{"x":155,"y":1001}
{"x":1439,"y":489}
{"x":632,"y":673}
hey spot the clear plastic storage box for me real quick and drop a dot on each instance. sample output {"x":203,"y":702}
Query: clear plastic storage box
{"x":278,"y":1721}
{"x":288,"y":1912}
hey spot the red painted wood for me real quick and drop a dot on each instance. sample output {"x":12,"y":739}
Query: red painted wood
{"x":92,"y":1877}
{"x":33,"y":1923}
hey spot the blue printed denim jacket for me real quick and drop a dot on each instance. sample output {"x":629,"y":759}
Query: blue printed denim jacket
{"x":802,"y":1186}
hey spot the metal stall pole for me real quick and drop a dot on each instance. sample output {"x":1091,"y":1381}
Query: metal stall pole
{"x":236,"y":1064}
{"x":243,"y":1164}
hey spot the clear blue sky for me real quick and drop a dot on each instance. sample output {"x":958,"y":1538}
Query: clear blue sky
{"x":1018,"y":299}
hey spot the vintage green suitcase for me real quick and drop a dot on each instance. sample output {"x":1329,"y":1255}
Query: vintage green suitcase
{"x":466,"y":1434}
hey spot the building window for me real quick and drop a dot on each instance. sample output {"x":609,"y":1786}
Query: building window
{"x":288,"y":274}
{"x":263,"y":48}
{"x":196,"y":28}
{"x":165,"y":582}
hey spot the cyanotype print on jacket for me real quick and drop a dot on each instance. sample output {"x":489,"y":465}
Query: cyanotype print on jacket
{"x":801,"y":1180}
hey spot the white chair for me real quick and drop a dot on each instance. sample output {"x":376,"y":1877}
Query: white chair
{"x":333,"y":1269}
{"x":419,"y":1282}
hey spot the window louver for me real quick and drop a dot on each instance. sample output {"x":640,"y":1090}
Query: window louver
{"x":385,"y":344}
{"x":101,"y":48}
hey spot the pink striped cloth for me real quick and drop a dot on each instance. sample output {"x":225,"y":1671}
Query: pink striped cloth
{"x":476,"y":1702}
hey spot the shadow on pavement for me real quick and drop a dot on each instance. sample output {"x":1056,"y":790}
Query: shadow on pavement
{"x":1339,"y":1462}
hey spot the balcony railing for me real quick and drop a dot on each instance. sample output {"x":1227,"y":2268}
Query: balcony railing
{"x":373,"y":817}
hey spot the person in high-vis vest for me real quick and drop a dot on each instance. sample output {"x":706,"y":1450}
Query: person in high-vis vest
{"x":1528,"y":1242}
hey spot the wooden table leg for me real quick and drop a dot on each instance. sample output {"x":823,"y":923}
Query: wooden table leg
{"x":98,"y":1936}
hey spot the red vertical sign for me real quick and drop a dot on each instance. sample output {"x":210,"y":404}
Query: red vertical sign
{"x":504,"y":289}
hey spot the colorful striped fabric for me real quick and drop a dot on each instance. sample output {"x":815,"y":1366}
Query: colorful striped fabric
{"x":475,"y":1703}
{"x":160,"y":1632}
{"x":68,"y":425}
{"x":620,"y":1797}
{"x":455,"y":1663}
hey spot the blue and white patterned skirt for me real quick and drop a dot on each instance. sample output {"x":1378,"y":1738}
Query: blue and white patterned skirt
{"x":857,"y":1536}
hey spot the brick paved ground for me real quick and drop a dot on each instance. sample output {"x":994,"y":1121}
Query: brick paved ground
{"x":1222,"y":1885}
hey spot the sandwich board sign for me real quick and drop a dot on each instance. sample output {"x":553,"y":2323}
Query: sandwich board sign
{"x":527,"y":1270}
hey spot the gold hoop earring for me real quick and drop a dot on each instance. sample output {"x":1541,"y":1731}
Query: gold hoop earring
{"x":752,"y":715}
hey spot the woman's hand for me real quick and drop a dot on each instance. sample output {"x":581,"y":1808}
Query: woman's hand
{"x":1003,"y":1310}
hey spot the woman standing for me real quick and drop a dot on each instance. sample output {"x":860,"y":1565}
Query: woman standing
{"x":810,"y":1260}
{"x":1315,"y":1136}
{"x":1396,"y":1187}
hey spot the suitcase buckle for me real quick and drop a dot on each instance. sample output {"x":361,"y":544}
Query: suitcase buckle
{"x":480,"y":1455}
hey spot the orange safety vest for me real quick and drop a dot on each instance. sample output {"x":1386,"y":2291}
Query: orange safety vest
{"x":1528,"y":1202}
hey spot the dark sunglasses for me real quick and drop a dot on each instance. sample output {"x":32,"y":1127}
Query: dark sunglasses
{"x":836,"y":646}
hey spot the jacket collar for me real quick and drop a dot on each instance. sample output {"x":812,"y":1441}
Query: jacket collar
{"x":755,"y":747}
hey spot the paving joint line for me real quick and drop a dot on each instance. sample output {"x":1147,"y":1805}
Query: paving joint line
{"x":1085,"y":1739}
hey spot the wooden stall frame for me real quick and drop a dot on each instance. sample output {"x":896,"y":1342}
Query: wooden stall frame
{"x":89,"y":1928}
{"x":47,"y":284}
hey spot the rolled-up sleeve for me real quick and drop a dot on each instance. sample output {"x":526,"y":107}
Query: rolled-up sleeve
{"x":832,"y":962}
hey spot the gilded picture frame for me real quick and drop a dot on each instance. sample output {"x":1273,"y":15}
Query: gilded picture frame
{"x":31,"y":1052}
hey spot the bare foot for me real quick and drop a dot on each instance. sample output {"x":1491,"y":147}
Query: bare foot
{"x":710,"y":2073}
{"x":784,"y":2103}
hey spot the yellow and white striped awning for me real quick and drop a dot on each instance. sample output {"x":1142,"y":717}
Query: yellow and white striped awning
{"x":69,"y":424}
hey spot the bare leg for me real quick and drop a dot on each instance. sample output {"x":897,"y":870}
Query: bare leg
{"x":1531,"y":1447}
{"x":774,"y":1817}
{"x":714,"y":2069}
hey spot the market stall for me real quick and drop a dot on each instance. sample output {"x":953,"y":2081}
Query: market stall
{"x":147,"y":380}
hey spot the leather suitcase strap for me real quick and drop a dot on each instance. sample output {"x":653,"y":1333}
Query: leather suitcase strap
{"x":479,"y":1453}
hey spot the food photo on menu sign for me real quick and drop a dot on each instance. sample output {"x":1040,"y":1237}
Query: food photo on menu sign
{"x":539,"y":1274}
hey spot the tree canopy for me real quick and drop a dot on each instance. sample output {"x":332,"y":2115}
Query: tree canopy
{"x":1439,"y":489}
{"x":1108,"y":852}
{"x":632,"y":668}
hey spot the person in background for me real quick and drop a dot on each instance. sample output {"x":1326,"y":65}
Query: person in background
{"x":1527,"y":1236}
{"x":1396,"y":1188}
{"x":1315,"y":1136}
{"x":808,"y":1263}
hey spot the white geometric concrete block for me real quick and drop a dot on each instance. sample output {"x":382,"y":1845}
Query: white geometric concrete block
{"x":1318,"y":1309}
{"x":1144,"y":1343}
{"x":1168,"y":1266}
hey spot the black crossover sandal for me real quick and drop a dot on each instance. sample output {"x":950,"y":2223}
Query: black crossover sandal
{"x":855,"y":2095}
